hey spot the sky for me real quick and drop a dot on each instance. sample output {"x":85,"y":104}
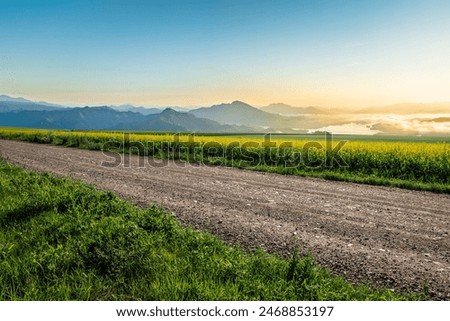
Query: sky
{"x":197,"y":53}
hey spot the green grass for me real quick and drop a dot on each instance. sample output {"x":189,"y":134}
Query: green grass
{"x":64,"y":240}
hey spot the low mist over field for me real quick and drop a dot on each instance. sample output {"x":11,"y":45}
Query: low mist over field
{"x":400,"y":119}
{"x":391,"y":124}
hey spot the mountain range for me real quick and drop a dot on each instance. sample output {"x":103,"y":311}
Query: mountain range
{"x":19,"y":112}
{"x":235,"y":117}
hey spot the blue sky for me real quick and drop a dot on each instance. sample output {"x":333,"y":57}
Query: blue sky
{"x":330,"y":53}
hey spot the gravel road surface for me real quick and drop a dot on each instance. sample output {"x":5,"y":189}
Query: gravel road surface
{"x":389,"y":237}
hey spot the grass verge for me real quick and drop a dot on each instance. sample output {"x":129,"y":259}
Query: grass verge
{"x":65,"y":240}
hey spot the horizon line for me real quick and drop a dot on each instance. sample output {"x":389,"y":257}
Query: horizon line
{"x":71,"y":105}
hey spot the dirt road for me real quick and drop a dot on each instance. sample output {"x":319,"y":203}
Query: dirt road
{"x":391,"y":237}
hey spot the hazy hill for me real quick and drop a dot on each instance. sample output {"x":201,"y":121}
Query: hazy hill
{"x":409,"y":109}
{"x":287,"y":110}
{"x":6,"y":98}
{"x":10,"y":104}
{"x":70,"y":118}
{"x":141,"y":110}
{"x":237,"y":113}
{"x":437,"y":120}
{"x":172,"y":120}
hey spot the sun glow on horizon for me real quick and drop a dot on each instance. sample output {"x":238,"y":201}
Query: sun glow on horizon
{"x":348,"y":54}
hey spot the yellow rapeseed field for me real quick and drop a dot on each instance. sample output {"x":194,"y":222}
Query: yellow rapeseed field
{"x":425,"y":162}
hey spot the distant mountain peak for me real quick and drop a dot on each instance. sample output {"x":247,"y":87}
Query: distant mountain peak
{"x":235,"y":113}
{"x":240,"y":103}
{"x":169,"y":110}
{"x":234,"y":104}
